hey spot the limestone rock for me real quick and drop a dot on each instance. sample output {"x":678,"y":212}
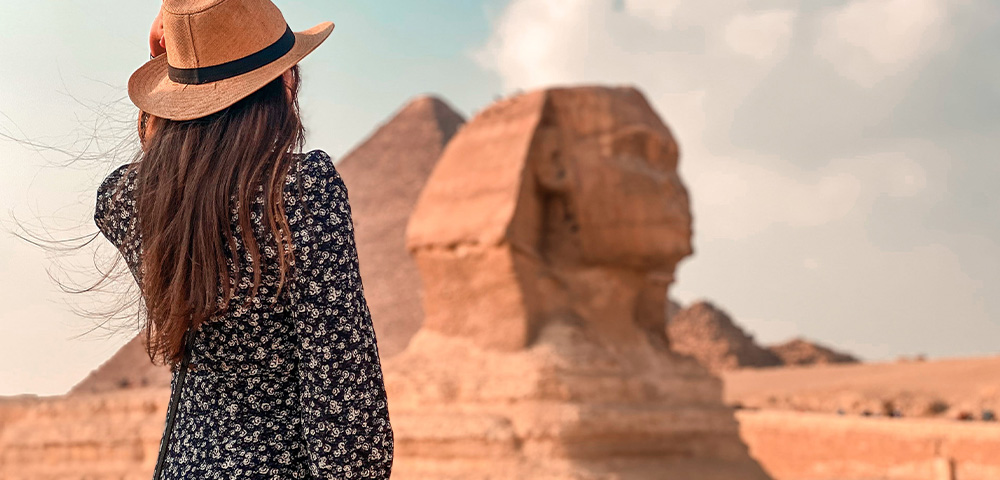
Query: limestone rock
{"x":112,"y":435}
{"x":795,"y":445}
{"x":706,"y":333}
{"x":546,"y":238}
{"x":803,"y":352}
{"x":673,"y":308}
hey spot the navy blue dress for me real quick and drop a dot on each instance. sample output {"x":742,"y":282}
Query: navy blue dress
{"x":290,"y":386}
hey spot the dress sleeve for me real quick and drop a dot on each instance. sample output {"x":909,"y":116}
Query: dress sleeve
{"x":110,"y":211}
{"x":345,"y":416}
{"x":115,"y":215}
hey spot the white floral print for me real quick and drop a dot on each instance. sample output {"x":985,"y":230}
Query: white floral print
{"x":289,"y":386}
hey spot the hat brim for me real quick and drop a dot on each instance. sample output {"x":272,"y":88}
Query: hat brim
{"x":152,"y":90}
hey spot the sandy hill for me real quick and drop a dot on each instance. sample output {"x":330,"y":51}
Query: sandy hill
{"x":384,"y":176}
{"x":803,"y":352}
{"x":708,"y":334}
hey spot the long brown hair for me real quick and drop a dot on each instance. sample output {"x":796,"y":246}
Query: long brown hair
{"x":186,"y":184}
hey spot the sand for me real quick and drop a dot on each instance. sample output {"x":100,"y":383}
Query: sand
{"x":947,"y":387}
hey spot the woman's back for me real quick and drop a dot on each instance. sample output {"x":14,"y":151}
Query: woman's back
{"x":290,"y":385}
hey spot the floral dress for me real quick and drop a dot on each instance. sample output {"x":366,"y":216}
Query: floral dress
{"x":290,"y":385}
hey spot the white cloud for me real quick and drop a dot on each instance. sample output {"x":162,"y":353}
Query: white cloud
{"x":530,"y":45}
{"x":736,"y":194}
{"x":780,"y":237}
{"x":762,"y":36}
{"x":902,"y":176}
{"x":869,"y":40}
{"x":661,"y":11}
{"x":734,"y":198}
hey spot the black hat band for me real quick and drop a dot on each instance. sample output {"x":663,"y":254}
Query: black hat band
{"x":249,"y":63}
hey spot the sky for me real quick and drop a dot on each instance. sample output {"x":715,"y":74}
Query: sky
{"x":841,"y":156}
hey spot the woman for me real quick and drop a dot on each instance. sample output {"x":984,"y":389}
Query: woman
{"x":249,"y":246}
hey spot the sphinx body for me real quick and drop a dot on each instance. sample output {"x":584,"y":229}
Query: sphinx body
{"x":546,"y":238}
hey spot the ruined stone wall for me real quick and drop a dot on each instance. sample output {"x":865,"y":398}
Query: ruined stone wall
{"x":115,"y":435}
{"x":104,"y":436}
{"x":808,"y":446}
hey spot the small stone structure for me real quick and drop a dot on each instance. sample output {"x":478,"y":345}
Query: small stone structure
{"x":799,"y":351}
{"x":708,"y":334}
{"x":546,"y":238}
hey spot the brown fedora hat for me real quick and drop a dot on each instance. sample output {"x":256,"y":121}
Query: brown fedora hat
{"x":218,"y":52}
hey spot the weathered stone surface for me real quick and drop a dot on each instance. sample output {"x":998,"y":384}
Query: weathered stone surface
{"x":803,"y":352}
{"x":104,"y":436}
{"x":546,"y":238}
{"x":115,"y":435}
{"x":673,"y":308}
{"x":808,"y":446}
{"x":707,"y":334}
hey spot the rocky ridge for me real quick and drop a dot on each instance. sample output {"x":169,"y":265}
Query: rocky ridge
{"x":707,"y":333}
{"x":799,"y":351}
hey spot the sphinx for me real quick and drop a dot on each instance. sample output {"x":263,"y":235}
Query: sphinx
{"x":546,"y":239}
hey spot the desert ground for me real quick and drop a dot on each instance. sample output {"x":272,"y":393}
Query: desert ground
{"x":947,"y":388}
{"x":908,"y":419}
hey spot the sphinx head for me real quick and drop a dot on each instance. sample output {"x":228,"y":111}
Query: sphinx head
{"x":605,"y":168}
{"x":558,"y":205}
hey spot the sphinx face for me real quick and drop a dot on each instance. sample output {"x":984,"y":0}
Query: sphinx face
{"x":615,"y":197}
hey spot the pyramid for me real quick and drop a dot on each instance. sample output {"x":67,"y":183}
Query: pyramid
{"x":384,"y":176}
{"x":708,"y":334}
{"x":800,"y":351}
{"x":129,"y":367}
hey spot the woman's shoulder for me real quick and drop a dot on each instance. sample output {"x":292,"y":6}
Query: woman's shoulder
{"x":315,"y":189}
{"x":113,"y":195}
{"x":114,"y":179}
{"x":316,"y":164}
{"x":316,"y":172}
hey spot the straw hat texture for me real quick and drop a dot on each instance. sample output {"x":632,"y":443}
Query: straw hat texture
{"x":218,"y":52}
